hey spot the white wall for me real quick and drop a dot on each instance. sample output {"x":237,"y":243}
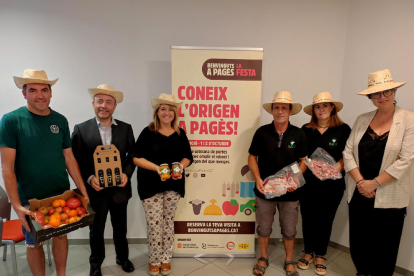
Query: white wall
{"x":309,"y":47}
{"x":379,"y":36}
{"x":86,"y":43}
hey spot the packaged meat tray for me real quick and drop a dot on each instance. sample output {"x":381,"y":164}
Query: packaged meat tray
{"x":322,"y":165}
{"x":277,"y":185}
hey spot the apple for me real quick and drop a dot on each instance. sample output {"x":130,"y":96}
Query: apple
{"x":230,"y":207}
{"x":47,"y":219}
{"x":58,"y":209}
{"x":73,"y":203}
{"x":43,"y":210}
{"x":51,"y":211}
{"x":46,"y":226}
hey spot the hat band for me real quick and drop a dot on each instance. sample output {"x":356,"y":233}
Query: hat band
{"x":326,"y":99}
{"x":286,"y":99}
{"x":381,"y":82}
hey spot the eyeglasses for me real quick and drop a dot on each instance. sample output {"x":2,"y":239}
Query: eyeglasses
{"x":279,"y":143}
{"x":377,"y":95}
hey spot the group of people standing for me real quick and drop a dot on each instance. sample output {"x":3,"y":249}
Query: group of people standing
{"x":376,"y":156}
{"x":37,"y":151}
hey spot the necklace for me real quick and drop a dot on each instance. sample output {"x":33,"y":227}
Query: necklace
{"x":322,"y":127}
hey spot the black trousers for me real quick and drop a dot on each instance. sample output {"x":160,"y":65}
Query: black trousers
{"x":374,"y":236}
{"x":318,"y":206}
{"x":118,"y":213}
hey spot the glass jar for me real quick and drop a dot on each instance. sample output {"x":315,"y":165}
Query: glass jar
{"x":165,"y":171}
{"x":176,"y":170}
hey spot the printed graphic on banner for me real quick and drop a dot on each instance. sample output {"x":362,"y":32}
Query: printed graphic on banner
{"x":221,"y":92}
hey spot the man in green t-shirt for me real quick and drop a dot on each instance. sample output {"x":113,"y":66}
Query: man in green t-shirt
{"x":36,"y":151}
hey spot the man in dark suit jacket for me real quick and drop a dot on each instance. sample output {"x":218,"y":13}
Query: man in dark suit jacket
{"x":105,"y":130}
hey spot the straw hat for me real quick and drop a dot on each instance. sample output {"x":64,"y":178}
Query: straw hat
{"x":165,"y":99}
{"x":107,"y":90}
{"x":33,"y":76}
{"x":323,"y":97}
{"x":380,"y":81}
{"x":283,"y":97}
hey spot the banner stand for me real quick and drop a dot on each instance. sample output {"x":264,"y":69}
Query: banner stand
{"x":221,"y":93}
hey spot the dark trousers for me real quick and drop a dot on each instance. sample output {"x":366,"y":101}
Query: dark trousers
{"x":374,"y":236}
{"x":118,"y":213}
{"x":318,"y":206}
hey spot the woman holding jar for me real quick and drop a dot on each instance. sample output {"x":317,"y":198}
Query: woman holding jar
{"x":319,"y":199}
{"x":378,"y":156}
{"x":158,"y":146}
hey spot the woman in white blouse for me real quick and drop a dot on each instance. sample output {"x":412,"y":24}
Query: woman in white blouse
{"x":378,"y":157}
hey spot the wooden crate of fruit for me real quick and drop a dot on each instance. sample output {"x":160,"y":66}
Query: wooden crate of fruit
{"x":58,"y":215}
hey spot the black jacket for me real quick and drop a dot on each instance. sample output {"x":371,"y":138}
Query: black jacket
{"x":85,"y":139}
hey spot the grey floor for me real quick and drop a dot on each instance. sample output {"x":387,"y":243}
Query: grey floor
{"x":338,"y":263}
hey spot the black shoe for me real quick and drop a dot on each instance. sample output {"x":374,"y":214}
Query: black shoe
{"x":127,"y":266}
{"x":95,"y":272}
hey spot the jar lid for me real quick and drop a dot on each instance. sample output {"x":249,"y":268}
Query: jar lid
{"x":164,"y":165}
{"x":176,"y":163}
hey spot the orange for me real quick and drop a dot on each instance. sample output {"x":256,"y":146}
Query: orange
{"x":73,"y":213}
{"x":57,"y":215}
{"x":56,"y":203}
{"x":73,"y":219}
{"x":62,"y":203}
{"x":54,"y":221}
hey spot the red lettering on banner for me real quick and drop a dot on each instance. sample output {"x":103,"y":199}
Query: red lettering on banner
{"x":208,"y":93}
{"x":193,"y":126}
{"x":200,"y":93}
{"x":223,"y":91}
{"x":181,"y":97}
{"x":203,"y":110}
{"x":180,"y":114}
{"x":212,"y":127}
{"x":234,"y":111}
{"x":203,"y":128}
{"x":182,"y":125}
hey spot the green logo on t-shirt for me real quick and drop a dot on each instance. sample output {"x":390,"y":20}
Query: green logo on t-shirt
{"x":292,"y":145}
{"x":333,"y":142}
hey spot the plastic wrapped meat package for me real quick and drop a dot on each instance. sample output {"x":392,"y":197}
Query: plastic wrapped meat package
{"x":277,"y":185}
{"x":322,"y":165}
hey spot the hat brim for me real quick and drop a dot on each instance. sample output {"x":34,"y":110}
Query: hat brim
{"x":20,"y":82}
{"x":296,"y":107}
{"x":308,"y":109}
{"x":117,"y":95}
{"x":155,"y":103}
{"x":381,"y":87}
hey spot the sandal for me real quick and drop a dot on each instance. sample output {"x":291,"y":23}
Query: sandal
{"x":154,"y":270}
{"x":165,"y":268}
{"x":320,"y":266}
{"x":306,"y":262}
{"x":260,"y":268}
{"x":290,"y":273}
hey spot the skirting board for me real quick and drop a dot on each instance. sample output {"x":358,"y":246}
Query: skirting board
{"x":335,"y":245}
